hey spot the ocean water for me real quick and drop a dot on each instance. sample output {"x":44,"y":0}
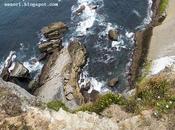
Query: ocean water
{"x":20,"y":32}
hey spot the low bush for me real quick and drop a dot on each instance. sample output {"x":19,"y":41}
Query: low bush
{"x":163,"y":5}
{"x":56,"y":105}
{"x":103,"y":102}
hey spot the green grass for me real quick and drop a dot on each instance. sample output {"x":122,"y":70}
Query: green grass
{"x":163,"y":5}
{"x":102,"y":103}
{"x":154,"y":93}
{"x":56,"y":105}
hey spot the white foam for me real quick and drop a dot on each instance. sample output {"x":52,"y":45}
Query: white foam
{"x":118,"y":45}
{"x":95,"y":84}
{"x":129,"y":34}
{"x":136,"y":12}
{"x":148,"y":19}
{"x":33,"y":66}
{"x":161,"y":63}
{"x":11,"y":57}
{"x":88,"y":18}
{"x":1,"y":67}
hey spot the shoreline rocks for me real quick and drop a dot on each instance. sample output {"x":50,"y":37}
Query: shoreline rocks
{"x":54,"y":30}
{"x":59,"y":77}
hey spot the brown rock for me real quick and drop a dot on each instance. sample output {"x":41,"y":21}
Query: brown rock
{"x":54,"y":30}
{"x":113,"y":35}
{"x":113,"y":82}
{"x":49,"y":47}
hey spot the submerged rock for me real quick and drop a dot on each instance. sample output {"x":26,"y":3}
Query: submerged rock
{"x":113,"y":35}
{"x":113,"y":82}
{"x":80,"y":10}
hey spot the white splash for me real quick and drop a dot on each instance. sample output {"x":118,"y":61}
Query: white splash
{"x":161,"y":63}
{"x":33,"y":65}
{"x":148,"y":19}
{"x":88,"y":18}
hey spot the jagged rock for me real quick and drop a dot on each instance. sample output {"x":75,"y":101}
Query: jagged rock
{"x":113,"y":35}
{"x":50,"y":46}
{"x":81,"y":9}
{"x":54,"y":30}
{"x":19,"y":71}
{"x":113,"y":82}
{"x":16,"y":70}
{"x":51,"y":79}
{"x":60,"y":74}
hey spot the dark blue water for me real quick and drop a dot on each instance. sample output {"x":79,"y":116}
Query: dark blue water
{"x":21,"y":26}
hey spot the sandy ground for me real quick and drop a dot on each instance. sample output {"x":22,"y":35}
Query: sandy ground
{"x":163,"y":39}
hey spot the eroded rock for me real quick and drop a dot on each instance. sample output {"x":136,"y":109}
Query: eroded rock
{"x":54,"y":30}
{"x":50,"y":46}
{"x":59,"y":77}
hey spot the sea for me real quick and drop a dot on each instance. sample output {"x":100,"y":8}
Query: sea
{"x":22,"y":20}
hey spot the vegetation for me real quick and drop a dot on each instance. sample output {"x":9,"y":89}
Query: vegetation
{"x":163,"y":5}
{"x":103,"y":102}
{"x":56,"y":105}
{"x":154,"y":93}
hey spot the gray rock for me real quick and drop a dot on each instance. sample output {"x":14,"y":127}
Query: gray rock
{"x":19,"y":71}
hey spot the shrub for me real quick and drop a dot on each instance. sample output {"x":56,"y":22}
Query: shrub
{"x":163,"y":5}
{"x":103,"y":102}
{"x":155,"y":93}
{"x":56,"y":105}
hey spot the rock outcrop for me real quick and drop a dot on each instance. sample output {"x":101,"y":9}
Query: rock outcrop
{"x":53,"y":34}
{"x":50,"y":46}
{"x":20,"y":110}
{"x":59,"y":77}
{"x":54,"y":30}
{"x":14,"y":71}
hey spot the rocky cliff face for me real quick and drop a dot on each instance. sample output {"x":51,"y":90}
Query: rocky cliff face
{"x":20,"y":110}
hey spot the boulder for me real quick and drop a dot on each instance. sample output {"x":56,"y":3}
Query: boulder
{"x":15,"y":70}
{"x":113,"y":82}
{"x":80,"y":10}
{"x":54,"y":30}
{"x":19,"y":71}
{"x":50,"y":46}
{"x":113,"y":35}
